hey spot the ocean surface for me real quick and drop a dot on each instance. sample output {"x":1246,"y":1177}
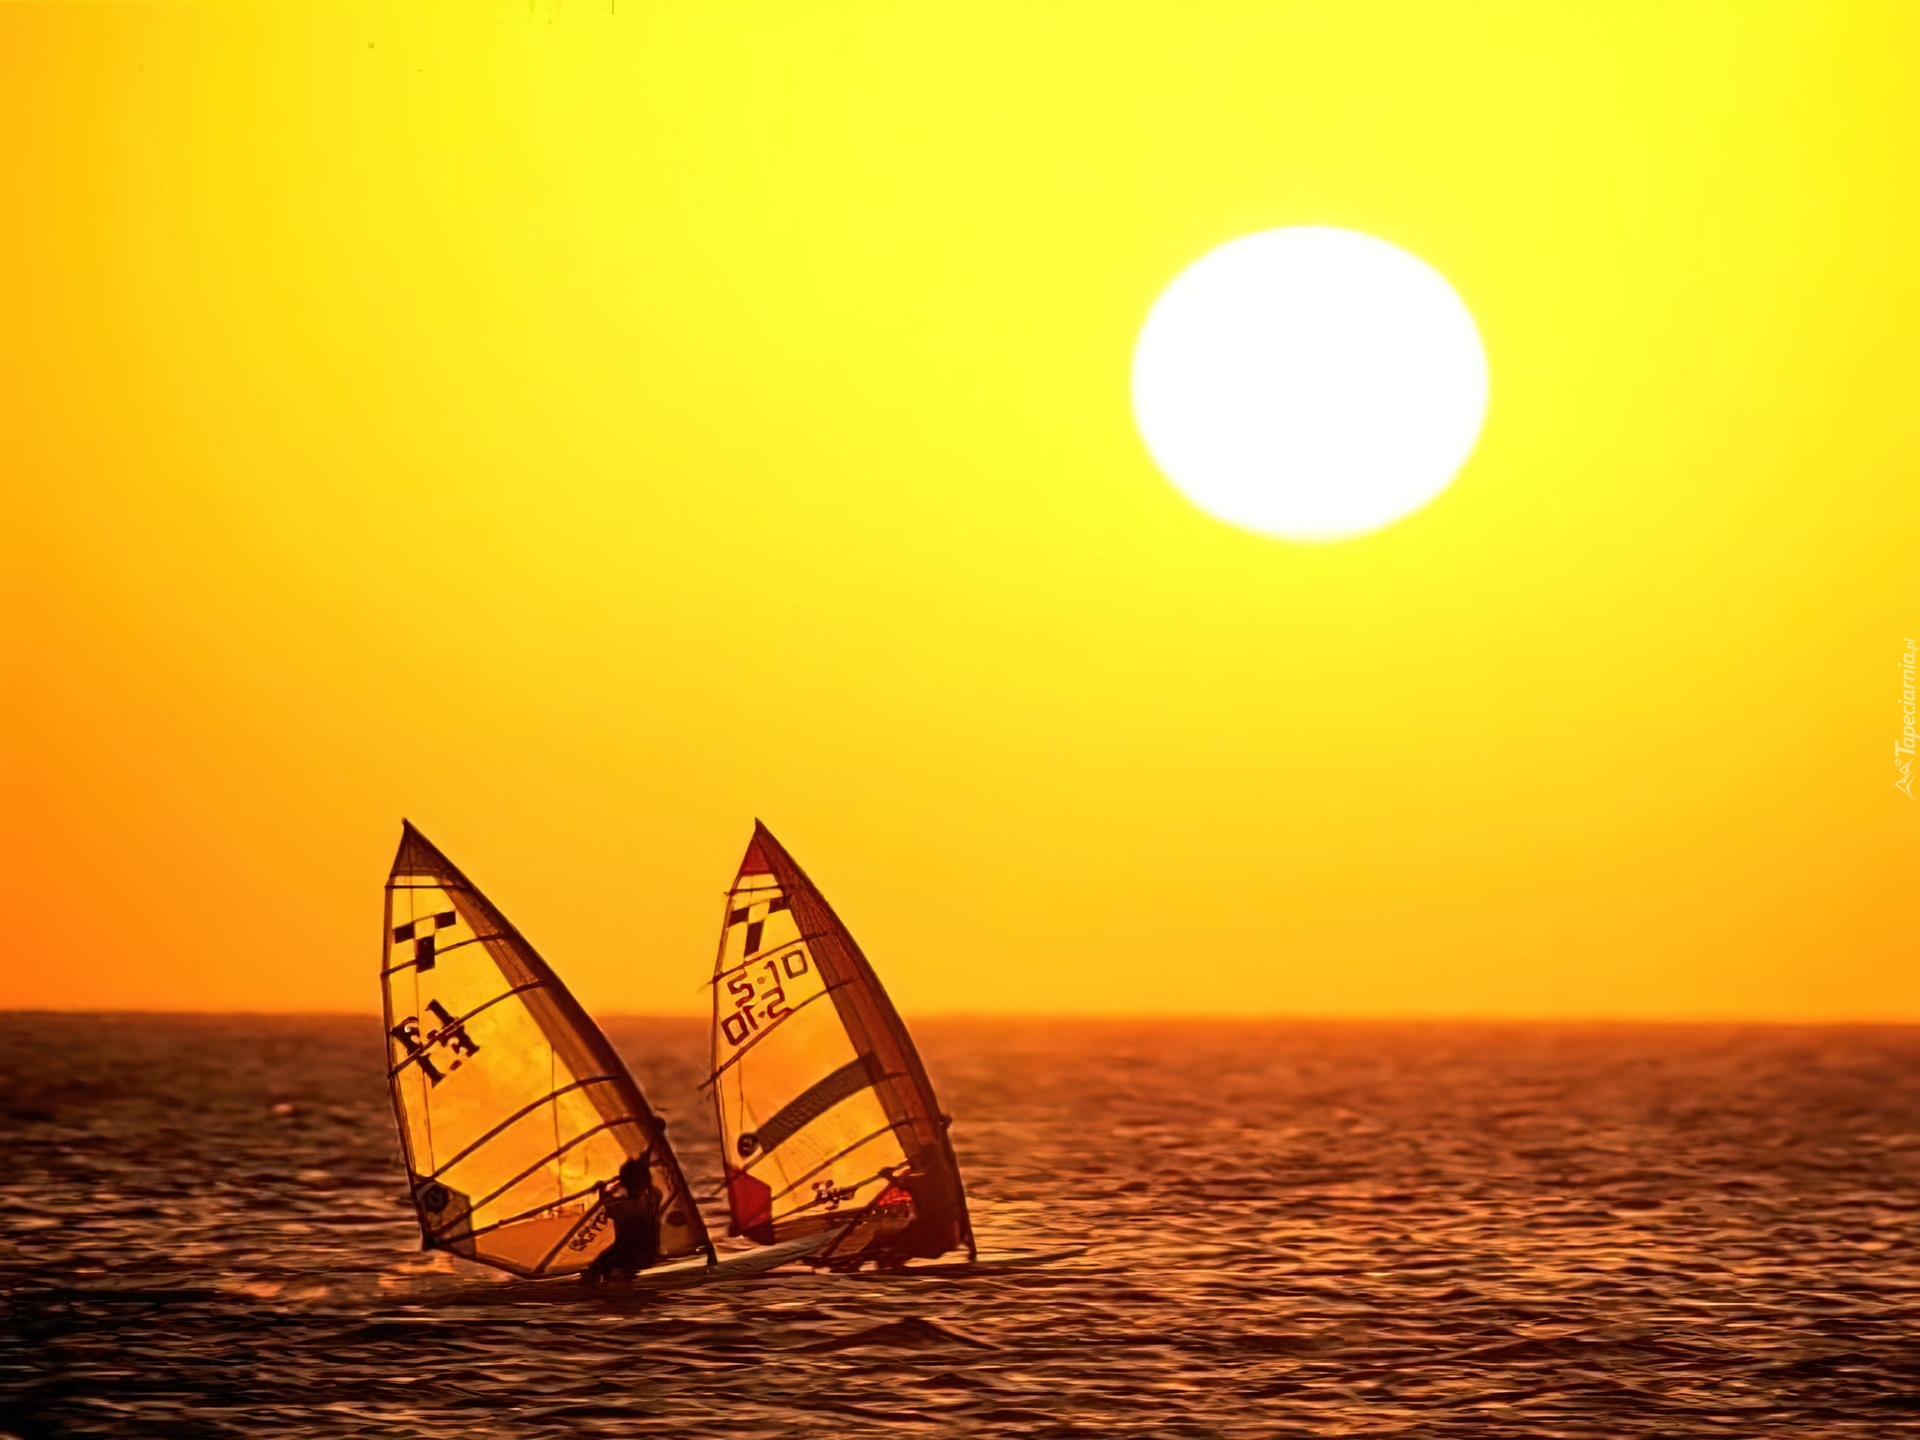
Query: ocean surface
{"x":1296,"y":1229}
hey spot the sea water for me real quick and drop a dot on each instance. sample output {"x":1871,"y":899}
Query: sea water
{"x":1296,"y":1229}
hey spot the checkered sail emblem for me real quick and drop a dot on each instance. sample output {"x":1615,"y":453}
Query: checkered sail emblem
{"x":513,"y":1108}
{"x":422,"y":932}
{"x":827,"y":1118}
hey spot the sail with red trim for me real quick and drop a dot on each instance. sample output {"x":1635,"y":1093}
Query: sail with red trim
{"x":827,"y":1118}
{"x":514,"y":1110}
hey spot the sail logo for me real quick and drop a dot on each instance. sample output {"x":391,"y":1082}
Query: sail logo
{"x":421,"y":933}
{"x":754,"y":917}
{"x":590,"y":1231}
{"x":829,"y":1196}
{"x":1903,"y":747}
{"x":450,"y":1038}
{"x":744,"y":1021}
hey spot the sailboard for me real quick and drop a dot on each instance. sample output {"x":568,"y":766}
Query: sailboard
{"x":668,"y":1275}
{"x":514,"y":1109}
{"x":827,"y":1119}
{"x":984,"y":1263}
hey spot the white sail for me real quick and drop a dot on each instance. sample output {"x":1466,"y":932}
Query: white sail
{"x":827,"y":1119}
{"x":514,"y":1110}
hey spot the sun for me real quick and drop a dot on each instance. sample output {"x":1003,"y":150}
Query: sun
{"x":1309,"y":383}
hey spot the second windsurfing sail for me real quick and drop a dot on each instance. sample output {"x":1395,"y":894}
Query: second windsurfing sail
{"x":514,"y":1109}
{"x":827,"y":1119}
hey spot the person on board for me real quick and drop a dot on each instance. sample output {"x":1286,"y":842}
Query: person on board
{"x":634,"y":1209}
{"x":926,"y":1231}
{"x":910,"y":1225}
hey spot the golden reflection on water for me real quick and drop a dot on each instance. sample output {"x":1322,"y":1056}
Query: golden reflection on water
{"x":1297,"y":1229}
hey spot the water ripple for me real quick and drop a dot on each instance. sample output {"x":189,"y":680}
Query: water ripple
{"x":1296,"y":1229}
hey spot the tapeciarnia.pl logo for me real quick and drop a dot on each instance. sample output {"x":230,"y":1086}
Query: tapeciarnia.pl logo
{"x":1903,"y":747}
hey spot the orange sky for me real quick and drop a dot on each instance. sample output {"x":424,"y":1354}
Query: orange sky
{"x":584,"y":429}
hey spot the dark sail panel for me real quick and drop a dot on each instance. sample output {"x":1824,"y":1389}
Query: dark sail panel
{"x":827,"y":1118}
{"x":513,"y":1107}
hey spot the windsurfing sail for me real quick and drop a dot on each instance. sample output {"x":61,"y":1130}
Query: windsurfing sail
{"x":827,"y":1119}
{"x":514,"y":1110}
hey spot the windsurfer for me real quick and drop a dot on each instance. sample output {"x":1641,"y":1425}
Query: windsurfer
{"x":634,"y":1209}
{"x":922,"y":1233}
{"x":892,"y":1229}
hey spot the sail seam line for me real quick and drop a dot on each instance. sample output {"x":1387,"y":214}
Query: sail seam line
{"x":816,"y":1100}
{"x":547,"y":1160}
{"x":741,"y":1053}
{"x":767,"y":1150}
{"x":493,"y":1225}
{"x":518,"y":1116}
{"x":835,"y":1159}
{"x":409,"y":964}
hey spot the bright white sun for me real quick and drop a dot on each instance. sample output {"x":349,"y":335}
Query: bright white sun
{"x":1309,"y":383}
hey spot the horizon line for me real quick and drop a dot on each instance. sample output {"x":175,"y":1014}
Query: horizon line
{"x":1383,"y":1017}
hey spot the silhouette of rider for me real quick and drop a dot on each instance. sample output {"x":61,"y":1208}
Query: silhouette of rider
{"x":634,"y":1209}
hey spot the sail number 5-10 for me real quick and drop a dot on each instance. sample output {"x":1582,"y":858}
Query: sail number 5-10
{"x":759,"y":995}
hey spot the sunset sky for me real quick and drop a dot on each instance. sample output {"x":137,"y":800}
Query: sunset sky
{"x":583,"y":429}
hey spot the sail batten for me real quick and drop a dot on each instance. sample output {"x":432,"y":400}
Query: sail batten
{"x":493,"y":1065}
{"x":501,"y":1224}
{"x":849,"y":1080}
{"x":827,"y":1118}
{"x":442,"y":952}
{"x":833,"y":1160}
{"x":557,"y":1154}
{"x":519,"y":1115}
